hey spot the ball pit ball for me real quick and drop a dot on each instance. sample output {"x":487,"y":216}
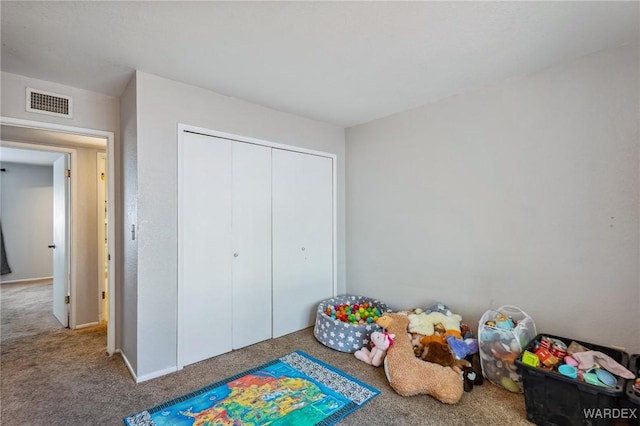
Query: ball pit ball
{"x":364,"y":313}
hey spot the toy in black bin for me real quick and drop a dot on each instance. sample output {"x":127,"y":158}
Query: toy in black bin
{"x":632,"y":390}
{"x":569,"y":383}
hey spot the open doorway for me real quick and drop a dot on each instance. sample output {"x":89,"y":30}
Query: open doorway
{"x":35,"y":213}
{"x":46,"y":136}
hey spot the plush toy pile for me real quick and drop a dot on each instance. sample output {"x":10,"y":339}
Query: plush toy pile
{"x":438,"y":356}
{"x":438,"y":335}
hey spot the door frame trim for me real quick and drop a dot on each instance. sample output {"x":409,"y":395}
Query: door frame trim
{"x":102,"y":251}
{"x":110,"y":150}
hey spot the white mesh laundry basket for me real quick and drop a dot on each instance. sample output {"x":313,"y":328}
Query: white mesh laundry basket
{"x":499,"y":347}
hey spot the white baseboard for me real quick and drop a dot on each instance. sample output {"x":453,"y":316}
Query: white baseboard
{"x":128,"y":364}
{"x":156,"y":374}
{"x":89,"y":324}
{"x":29,"y":281}
{"x":145,"y":377}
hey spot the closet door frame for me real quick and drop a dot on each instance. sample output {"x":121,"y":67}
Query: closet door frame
{"x":186,"y":128}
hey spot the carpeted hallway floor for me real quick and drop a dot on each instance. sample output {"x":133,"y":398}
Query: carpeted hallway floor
{"x":55,"y":376}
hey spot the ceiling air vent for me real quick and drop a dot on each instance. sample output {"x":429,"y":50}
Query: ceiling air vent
{"x":48,"y":103}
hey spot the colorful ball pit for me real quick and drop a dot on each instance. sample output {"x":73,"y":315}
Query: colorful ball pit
{"x":344,"y":323}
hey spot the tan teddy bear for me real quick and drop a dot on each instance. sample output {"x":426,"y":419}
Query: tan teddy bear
{"x":409,"y":375}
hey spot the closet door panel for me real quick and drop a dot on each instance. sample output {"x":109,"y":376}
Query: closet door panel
{"x":251,"y":227}
{"x":205,"y":240}
{"x":302,"y":209}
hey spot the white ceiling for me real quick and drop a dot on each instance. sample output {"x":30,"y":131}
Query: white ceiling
{"x":341,"y":62}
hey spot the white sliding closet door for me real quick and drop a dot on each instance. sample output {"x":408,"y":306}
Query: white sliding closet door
{"x":205,"y":248}
{"x":302,"y":208}
{"x":255,"y":242}
{"x":251,"y":228}
{"x":224,"y":246}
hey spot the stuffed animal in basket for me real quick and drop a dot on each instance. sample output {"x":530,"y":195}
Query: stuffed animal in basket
{"x":409,"y":375}
{"x":380,"y":342}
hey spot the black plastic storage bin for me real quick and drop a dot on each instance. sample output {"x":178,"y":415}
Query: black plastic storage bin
{"x":632,"y":400}
{"x":552,"y":399}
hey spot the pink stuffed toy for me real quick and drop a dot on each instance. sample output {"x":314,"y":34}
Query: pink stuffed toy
{"x":380,"y":342}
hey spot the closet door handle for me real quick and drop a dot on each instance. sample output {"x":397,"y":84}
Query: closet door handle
{"x":52,"y":246}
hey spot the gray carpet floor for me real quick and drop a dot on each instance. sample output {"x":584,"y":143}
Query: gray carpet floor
{"x":55,"y":376}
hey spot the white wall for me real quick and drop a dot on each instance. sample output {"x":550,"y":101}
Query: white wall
{"x":26,"y":209}
{"x":127,"y":298}
{"x":92,"y":111}
{"x":524,"y":193}
{"x":161,"y":105}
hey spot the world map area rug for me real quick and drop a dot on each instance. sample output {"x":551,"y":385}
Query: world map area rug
{"x":295,"y":389}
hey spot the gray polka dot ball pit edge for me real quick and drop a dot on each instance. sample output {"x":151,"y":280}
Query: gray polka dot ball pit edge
{"x":343,"y":336}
